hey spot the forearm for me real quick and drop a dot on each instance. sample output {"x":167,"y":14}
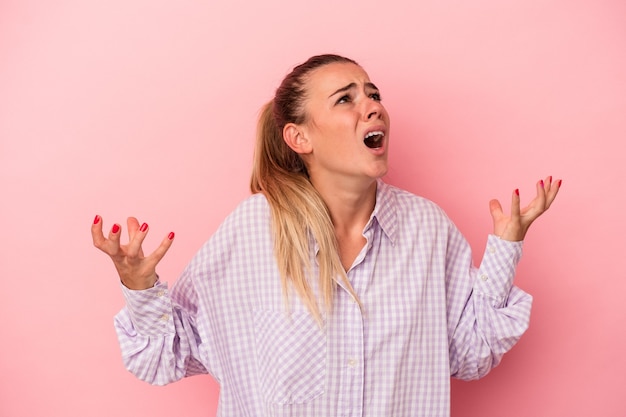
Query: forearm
{"x":494,"y":316}
{"x":485,"y":333}
{"x":157,"y":338}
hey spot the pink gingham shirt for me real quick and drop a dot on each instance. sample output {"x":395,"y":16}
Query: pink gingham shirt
{"x":427,"y":314}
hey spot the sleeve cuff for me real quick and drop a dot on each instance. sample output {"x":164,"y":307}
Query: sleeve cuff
{"x":497,"y":269}
{"x":150,"y":310}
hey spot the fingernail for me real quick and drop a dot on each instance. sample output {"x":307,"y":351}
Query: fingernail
{"x":143,"y":227}
{"x":115,"y":229}
{"x":550,"y":179}
{"x":170,"y":236}
{"x":541,"y":183}
{"x":96,"y":220}
{"x":560,"y":181}
{"x":517,"y":191}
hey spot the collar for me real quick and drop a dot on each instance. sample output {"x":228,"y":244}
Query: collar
{"x":385,"y":214}
{"x":385,"y":210}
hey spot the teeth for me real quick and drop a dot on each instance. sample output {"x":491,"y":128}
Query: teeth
{"x":375,"y":133}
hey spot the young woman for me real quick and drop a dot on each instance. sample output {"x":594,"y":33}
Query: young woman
{"x":327,"y":292}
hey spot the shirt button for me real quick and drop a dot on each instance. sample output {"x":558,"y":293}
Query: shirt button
{"x":160,"y":294}
{"x":351,"y":362}
{"x":484,"y":277}
{"x":491,"y":249}
{"x":164,"y":317}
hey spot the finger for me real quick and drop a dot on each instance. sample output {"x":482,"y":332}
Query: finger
{"x":114,"y":239}
{"x":109,"y":246}
{"x":515,"y":206}
{"x":96,"y":233}
{"x":551,"y":195}
{"x":160,"y":252}
{"x":540,"y":201}
{"x":536,"y":207}
{"x":547,"y":184}
{"x":133,"y":226}
{"x":133,"y":229}
{"x":134,"y":246}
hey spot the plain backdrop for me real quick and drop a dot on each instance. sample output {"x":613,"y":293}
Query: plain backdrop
{"x":148,"y":108}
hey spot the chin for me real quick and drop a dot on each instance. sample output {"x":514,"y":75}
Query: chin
{"x":379,"y":173}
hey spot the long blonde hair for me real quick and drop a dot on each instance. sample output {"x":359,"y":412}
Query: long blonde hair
{"x":297,"y":209}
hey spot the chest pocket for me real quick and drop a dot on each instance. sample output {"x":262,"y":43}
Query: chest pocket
{"x":291,"y":356}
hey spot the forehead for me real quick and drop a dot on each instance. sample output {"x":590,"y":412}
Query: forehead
{"x":325,"y":80}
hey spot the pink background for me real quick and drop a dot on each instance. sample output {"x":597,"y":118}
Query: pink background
{"x":148,"y":108}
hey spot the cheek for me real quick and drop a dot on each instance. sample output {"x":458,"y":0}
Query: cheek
{"x":331,"y":130}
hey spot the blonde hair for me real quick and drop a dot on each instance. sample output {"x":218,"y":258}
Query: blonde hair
{"x":297,"y":209}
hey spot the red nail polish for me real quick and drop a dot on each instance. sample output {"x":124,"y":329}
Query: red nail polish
{"x":560,"y":181}
{"x":170,"y":236}
{"x":115,"y":229}
{"x":542,"y":184}
{"x":550,"y":179}
{"x":96,"y":220}
{"x":517,"y":191}
{"x":143,"y":227}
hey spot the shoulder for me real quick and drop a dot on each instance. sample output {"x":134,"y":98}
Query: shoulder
{"x":409,"y":214}
{"x":252,"y":207}
{"x":408,"y":203}
{"x":248,"y":225}
{"x":253,"y":210}
{"x":250,"y":217}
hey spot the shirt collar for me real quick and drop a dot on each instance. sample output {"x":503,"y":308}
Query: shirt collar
{"x":385,"y":214}
{"x":385,"y":210}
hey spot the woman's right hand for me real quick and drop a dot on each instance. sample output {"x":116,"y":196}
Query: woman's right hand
{"x":136,"y":271}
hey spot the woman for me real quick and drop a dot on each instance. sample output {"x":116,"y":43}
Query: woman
{"x":327,"y":292}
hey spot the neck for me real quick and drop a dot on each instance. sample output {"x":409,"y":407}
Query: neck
{"x":350,"y":203}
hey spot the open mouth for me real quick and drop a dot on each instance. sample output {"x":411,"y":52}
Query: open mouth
{"x":374,"y":139}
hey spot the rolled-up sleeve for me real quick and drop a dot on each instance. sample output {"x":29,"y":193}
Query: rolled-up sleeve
{"x":493,"y":313}
{"x":157,"y":337}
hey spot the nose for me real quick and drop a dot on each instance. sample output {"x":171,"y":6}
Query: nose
{"x":373,"y":108}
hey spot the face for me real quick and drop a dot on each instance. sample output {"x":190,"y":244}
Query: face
{"x":346,"y":127}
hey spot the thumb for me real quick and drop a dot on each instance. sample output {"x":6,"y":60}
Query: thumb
{"x":496,"y":209}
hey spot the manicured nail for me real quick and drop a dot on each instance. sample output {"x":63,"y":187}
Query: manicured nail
{"x":170,"y":236}
{"x":96,"y":220}
{"x":517,"y":191}
{"x":550,"y":179}
{"x":115,"y":229}
{"x":560,"y":181}
{"x":143,"y":227}
{"x":542,"y":184}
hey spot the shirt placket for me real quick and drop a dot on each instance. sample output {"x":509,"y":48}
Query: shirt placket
{"x":354,"y":343}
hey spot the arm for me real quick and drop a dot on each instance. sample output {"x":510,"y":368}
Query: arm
{"x":156,"y":332}
{"x":487,"y":314}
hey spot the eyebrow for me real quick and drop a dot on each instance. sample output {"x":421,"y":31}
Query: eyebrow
{"x":351,"y":86}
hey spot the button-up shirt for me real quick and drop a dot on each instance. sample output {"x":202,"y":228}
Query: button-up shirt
{"x":424,"y":313}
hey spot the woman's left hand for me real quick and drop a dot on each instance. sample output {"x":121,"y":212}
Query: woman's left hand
{"x":515,"y":226}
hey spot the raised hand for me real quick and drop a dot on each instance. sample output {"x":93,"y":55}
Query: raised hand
{"x":136,"y":271}
{"x":515,"y":226}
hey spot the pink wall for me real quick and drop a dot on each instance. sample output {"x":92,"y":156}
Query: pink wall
{"x":148,"y":108}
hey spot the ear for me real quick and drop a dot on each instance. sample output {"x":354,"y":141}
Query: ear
{"x":295,"y":138}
